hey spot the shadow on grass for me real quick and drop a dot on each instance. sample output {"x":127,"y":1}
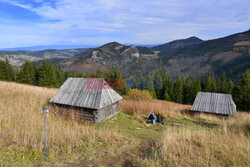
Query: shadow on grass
{"x":205,"y":124}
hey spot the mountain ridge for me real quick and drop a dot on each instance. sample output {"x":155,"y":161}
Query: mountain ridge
{"x":180,"y":43}
{"x":192,"y":60}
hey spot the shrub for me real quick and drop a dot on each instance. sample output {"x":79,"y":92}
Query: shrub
{"x":136,"y":94}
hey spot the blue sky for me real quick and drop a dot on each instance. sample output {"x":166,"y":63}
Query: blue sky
{"x":71,"y":22}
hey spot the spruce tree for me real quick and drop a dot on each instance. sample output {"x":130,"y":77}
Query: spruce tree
{"x":140,"y":81}
{"x":2,"y":70}
{"x":36,"y":71}
{"x":187,"y":95}
{"x":196,"y":87}
{"x":166,"y":96}
{"x":7,"y":73}
{"x":168,"y":87}
{"x":241,"y":92}
{"x":210,"y":84}
{"x":60,"y":77}
{"x":222,"y":86}
{"x":43,"y":74}
{"x":27,"y":74}
{"x":230,"y":87}
{"x":158,"y":85}
{"x":52,"y":77}
{"x":178,"y":90}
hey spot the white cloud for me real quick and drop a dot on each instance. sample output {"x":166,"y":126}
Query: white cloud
{"x":137,"y":21}
{"x":15,"y":3}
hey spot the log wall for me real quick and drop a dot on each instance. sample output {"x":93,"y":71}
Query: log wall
{"x":89,"y":115}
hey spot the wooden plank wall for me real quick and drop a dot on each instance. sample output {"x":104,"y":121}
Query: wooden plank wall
{"x":90,"y":115}
{"x":106,"y":112}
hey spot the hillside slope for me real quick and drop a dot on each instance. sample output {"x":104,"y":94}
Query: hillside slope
{"x":178,"y":44}
{"x":189,"y":58}
{"x":17,"y":58}
{"x":124,"y":140}
{"x":108,"y":56}
{"x":21,"y":129}
{"x":226,"y":54}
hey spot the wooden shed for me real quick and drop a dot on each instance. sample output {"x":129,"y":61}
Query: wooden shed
{"x":214,"y":103}
{"x":92,"y":98}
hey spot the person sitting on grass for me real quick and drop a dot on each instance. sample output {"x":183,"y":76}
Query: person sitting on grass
{"x":151,"y":118}
{"x":159,"y":118}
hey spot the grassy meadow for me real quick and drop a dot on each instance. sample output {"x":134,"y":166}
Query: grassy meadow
{"x":124,"y":140}
{"x":21,"y":129}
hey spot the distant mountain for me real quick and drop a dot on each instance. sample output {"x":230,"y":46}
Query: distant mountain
{"x":108,"y":56}
{"x":17,"y":58}
{"x":62,"y":47}
{"x":178,"y":44}
{"x":189,"y":57}
{"x":230,"y":54}
{"x":46,"y":47}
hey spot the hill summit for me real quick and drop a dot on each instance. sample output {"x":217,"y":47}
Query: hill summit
{"x":178,"y":43}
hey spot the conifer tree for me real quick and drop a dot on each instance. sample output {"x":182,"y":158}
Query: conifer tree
{"x":230,"y":87}
{"x":187,"y":92}
{"x":166,"y":96}
{"x":52,"y":77}
{"x":241,"y":92}
{"x":162,"y":73}
{"x":196,"y":87}
{"x":168,"y":88}
{"x":210,"y":84}
{"x":36,"y":71}
{"x":43,"y":74}
{"x":27,"y":74}
{"x":7,"y":73}
{"x":178,"y":90}
{"x":140,"y":81}
{"x":60,"y":77}
{"x":149,"y":85}
{"x":2,"y":70}
{"x":158,"y":85}
{"x":222,"y":86}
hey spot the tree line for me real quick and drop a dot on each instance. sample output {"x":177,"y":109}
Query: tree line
{"x":159,"y":83}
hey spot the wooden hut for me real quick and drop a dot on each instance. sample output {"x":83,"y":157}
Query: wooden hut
{"x":91,"y":98}
{"x":214,"y":103}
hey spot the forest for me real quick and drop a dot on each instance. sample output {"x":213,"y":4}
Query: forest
{"x":158,"y":83}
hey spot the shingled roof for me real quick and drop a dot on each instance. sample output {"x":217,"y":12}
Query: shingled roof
{"x":217,"y":103}
{"x":92,"y":93}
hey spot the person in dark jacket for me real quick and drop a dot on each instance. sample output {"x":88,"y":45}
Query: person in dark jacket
{"x":151,"y":118}
{"x":159,"y":118}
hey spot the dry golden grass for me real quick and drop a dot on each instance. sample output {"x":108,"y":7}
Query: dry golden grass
{"x":21,"y":125}
{"x":225,"y":144}
{"x":167,"y":109}
{"x":201,"y":147}
{"x":22,"y":138}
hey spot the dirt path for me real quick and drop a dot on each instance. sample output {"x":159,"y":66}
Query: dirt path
{"x":124,"y":158}
{"x":125,"y":154}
